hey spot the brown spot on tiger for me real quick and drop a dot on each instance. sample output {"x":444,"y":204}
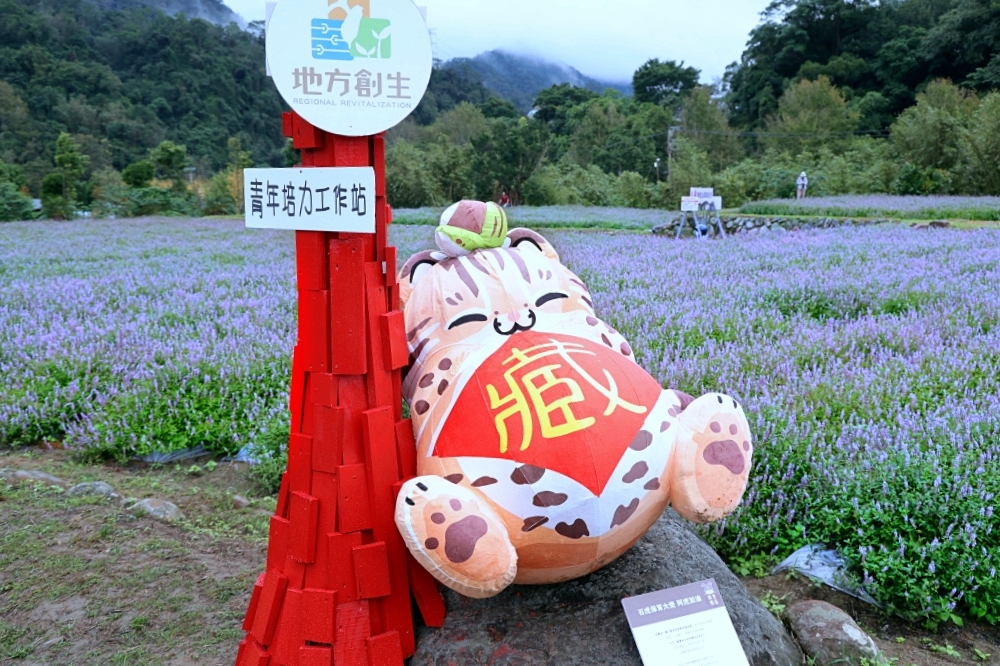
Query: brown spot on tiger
{"x":432,"y":543}
{"x":533,"y":522}
{"x":577,"y":530}
{"x":733,"y":429}
{"x":716,"y":427}
{"x":587,"y":301}
{"x":592,"y":321}
{"x":445,"y":364}
{"x":626,"y":349}
{"x":664,"y":426}
{"x":746,"y":445}
{"x":548,"y":275}
{"x":672,"y":411}
{"x":421,"y":406}
{"x":652,"y":484}
{"x":460,"y":538}
{"x":526,"y":475}
{"x":442,"y":387}
{"x":426,"y":380}
{"x":483,"y":481}
{"x":546,"y":498}
{"x":449,"y":301}
{"x":458,"y":297}
{"x":623,"y":513}
{"x":637,"y":472}
{"x":726,"y":453}
{"x":641,"y":441}
{"x":606,"y":341}
{"x":437,"y":518}
{"x":455,"y":504}
{"x":454,"y":478}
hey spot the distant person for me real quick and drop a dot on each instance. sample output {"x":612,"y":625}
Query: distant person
{"x":802,"y":183}
{"x":504,"y":199}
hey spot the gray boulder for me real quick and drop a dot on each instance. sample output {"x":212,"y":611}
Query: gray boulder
{"x":157,"y":508}
{"x":582,"y":622}
{"x":829,"y":635}
{"x":14,"y":476}
{"x":92,"y":488}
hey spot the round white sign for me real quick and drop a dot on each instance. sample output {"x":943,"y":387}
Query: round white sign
{"x":351,"y":67}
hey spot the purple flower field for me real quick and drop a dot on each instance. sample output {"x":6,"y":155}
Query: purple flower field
{"x":868,"y":360}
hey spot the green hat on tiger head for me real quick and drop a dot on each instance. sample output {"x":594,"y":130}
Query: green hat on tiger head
{"x":471,"y":225}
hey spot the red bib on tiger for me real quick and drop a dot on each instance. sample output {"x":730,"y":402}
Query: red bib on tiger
{"x":553,"y":401}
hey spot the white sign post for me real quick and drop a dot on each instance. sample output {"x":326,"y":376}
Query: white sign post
{"x":350,"y":67}
{"x":684,"y":626}
{"x":700,"y":195}
{"x":315,"y":199}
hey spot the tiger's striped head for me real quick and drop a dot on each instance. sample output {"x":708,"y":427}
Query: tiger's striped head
{"x":459,"y":310}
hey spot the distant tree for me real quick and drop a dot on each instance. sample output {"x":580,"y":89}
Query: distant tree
{"x":708,"y":128}
{"x":59,"y":188}
{"x":170,"y":161}
{"x":812,"y":114}
{"x":507,"y":155}
{"x":13,"y":204}
{"x":139,"y":174}
{"x":459,"y":125}
{"x":553,"y":105}
{"x":494,"y":107}
{"x":983,"y":147}
{"x":929,"y":134}
{"x":663,"y":82}
{"x":965,"y":44}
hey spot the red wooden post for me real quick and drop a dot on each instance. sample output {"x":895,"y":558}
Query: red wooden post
{"x":338,"y":580}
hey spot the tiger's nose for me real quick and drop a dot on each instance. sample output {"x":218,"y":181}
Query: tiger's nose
{"x":514,"y":316}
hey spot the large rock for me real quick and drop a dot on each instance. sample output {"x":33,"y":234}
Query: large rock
{"x":14,"y":476}
{"x":92,"y":488}
{"x":582,"y":622}
{"x":158,"y":508}
{"x":829,"y":635}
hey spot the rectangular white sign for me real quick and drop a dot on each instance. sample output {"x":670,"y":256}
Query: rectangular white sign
{"x":684,"y":626}
{"x":691,"y":203}
{"x":312,"y":199}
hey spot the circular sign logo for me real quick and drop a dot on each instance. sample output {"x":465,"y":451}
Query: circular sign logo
{"x":351,"y":67}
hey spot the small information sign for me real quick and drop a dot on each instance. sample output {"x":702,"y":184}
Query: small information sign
{"x":684,"y":626}
{"x":314,"y":199}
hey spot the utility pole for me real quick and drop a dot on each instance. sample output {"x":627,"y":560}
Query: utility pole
{"x":670,"y":148}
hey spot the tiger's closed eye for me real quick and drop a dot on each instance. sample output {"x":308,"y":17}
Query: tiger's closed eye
{"x":542,"y":300}
{"x":467,"y":319}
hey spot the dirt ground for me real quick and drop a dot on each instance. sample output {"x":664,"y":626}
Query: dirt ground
{"x":82,"y":581}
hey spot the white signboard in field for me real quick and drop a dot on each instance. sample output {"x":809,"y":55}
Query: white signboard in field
{"x":692,"y":203}
{"x":350,"y":67}
{"x":314,"y":199}
{"x":684,"y":626}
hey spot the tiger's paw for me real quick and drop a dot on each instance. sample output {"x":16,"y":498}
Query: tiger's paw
{"x":711,"y":462}
{"x":456,"y":536}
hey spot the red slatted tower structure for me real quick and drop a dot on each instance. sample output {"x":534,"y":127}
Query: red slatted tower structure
{"x":336,"y":590}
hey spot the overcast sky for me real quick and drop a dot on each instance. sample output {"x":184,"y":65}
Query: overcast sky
{"x":601,"y":39}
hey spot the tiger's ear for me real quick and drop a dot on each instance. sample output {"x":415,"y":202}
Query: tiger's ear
{"x":415,"y":268}
{"x":526,"y":239}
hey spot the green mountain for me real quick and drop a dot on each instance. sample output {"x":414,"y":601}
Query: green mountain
{"x":121,"y":77}
{"x":213,"y":11}
{"x":520,"y":78}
